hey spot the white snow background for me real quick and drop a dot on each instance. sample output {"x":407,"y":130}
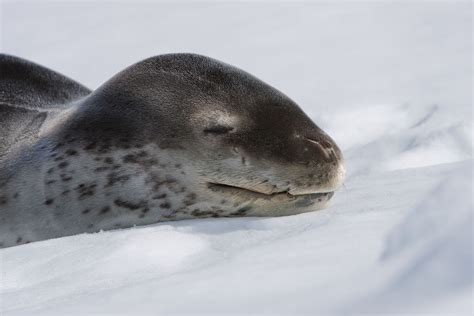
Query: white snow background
{"x":390,"y":81}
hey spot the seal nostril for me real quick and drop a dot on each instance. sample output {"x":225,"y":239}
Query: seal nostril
{"x":324,"y":148}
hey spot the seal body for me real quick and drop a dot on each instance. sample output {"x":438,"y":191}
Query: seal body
{"x":173,"y":137}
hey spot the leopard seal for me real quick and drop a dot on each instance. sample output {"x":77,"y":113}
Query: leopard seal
{"x":173,"y":137}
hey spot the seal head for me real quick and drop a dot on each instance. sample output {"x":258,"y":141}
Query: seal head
{"x":240,"y":138}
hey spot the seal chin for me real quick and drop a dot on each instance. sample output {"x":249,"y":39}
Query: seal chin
{"x":333,"y":182}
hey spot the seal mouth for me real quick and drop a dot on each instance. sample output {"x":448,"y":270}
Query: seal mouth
{"x":253,"y":194}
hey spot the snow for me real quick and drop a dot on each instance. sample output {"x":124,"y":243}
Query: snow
{"x":390,"y":81}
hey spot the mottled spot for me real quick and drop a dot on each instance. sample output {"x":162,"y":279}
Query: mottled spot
{"x":104,"y":148}
{"x":50,"y":182}
{"x":190,"y":199}
{"x":140,"y":159}
{"x":59,"y":158}
{"x":108,"y":160}
{"x":91,"y":146}
{"x":86,"y":211}
{"x":159,"y":196}
{"x":65,"y":177}
{"x":71,"y":152}
{"x":240,"y":212}
{"x":18,"y":240}
{"x":130,"y":205}
{"x":130,"y":158}
{"x":113,"y":178}
{"x":104,"y":210}
{"x":50,"y":171}
{"x":63,"y":164}
{"x":49,"y":201}
{"x":85,"y":190}
{"x":165,"y":205}
{"x":101,"y":169}
{"x":3,"y":200}
{"x":65,"y":192}
{"x":169,"y":182}
{"x":198,"y":213}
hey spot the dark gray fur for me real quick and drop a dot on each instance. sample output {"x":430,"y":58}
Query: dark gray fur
{"x":27,"y":93}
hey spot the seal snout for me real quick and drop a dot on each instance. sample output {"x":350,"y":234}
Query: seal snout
{"x":325,"y":150}
{"x":320,"y":167}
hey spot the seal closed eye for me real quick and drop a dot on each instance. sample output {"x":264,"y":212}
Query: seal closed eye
{"x":218,"y":129}
{"x":173,"y":137}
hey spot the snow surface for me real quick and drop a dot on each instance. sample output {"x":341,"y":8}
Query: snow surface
{"x":390,"y":81}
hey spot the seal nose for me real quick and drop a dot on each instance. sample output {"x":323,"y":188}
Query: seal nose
{"x":324,"y":148}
